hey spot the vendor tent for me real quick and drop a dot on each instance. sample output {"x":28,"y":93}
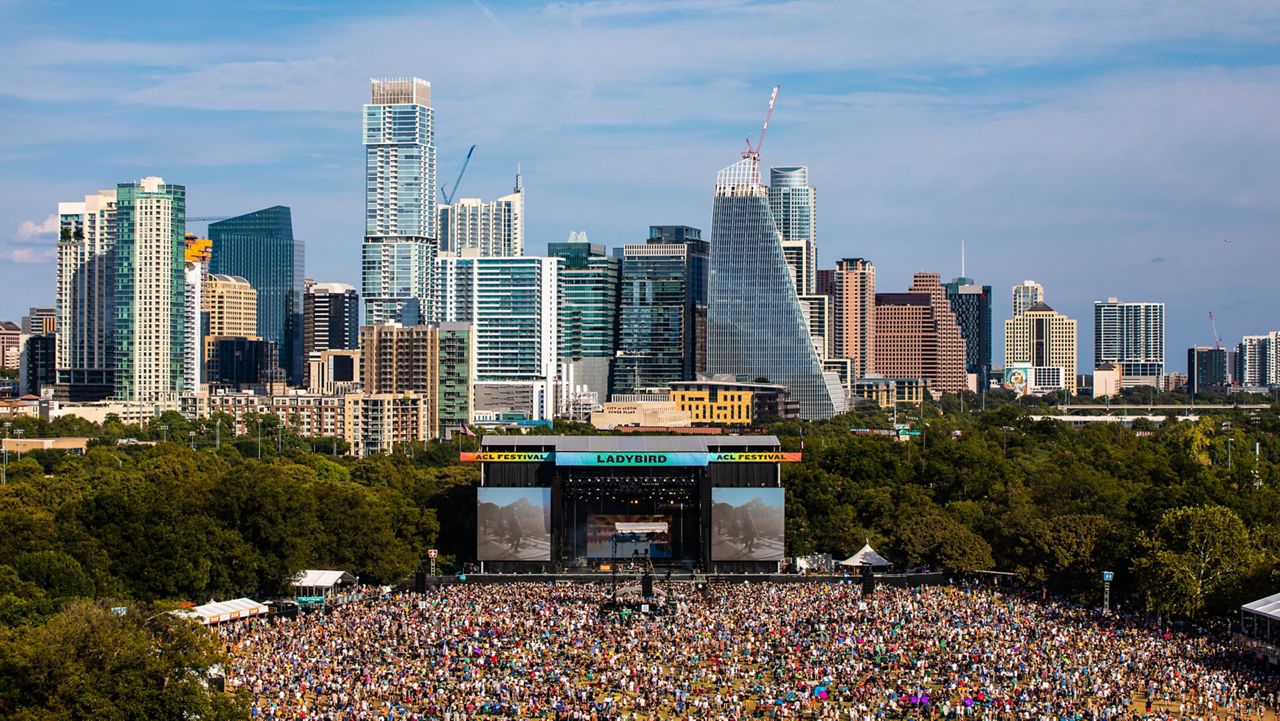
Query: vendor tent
{"x":866,"y":557}
{"x":320,"y":586}
{"x":219,"y":611}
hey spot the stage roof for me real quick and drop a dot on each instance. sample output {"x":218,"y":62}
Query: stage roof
{"x":632,"y":444}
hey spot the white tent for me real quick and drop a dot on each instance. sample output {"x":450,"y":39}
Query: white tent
{"x":219,"y":611}
{"x":866,"y":557}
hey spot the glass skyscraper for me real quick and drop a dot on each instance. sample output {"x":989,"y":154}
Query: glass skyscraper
{"x":793,"y":204}
{"x":260,"y":248}
{"x":971,"y":304}
{"x":662,"y":311}
{"x":756,"y":327}
{"x":398,"y":273}
{"x":588,"y":311}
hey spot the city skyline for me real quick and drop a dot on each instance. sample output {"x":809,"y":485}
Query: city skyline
{"x":910,"y":148}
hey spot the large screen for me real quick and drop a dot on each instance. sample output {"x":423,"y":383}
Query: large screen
{"x":747,"y":524}
{"x":600,"y":530}
{"x":513,"y":524}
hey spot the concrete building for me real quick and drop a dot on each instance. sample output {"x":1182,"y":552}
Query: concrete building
{"x":150,"y":290}
{"x":854,"y":305}
{"x":755,"y":326}
{"x":648,"y":414}
{"x":662,"y":310}
{"x":1025,"y":295}
{"x":471,"y":227}
{"x":387,"y":422}
{"x":588,"y":316}
{"x":513,"y":304}
{"x":1107,"y":380}
{"x":820,"y":316}
{"x":889,"y":392}
{"x":330,"y":320}
{"x":335,"y":372}
{"x":769,"y":401}
{"x":1132,"y":335}
{"x":195,"y":273}
{"x":230,"y":311}
{"x":10,"y":344}
{"x":39,"y":320}
{"x":433,"y":361}
{"x":398,"y":271}
{"x":1258,"y":360}
{"x":1040,"y":338}
{"x":916,"y":336}
{"x":793,"y":203}
{"x":260,"y":248}
{"x":1206,"y":369}
{"x":86,"y":298}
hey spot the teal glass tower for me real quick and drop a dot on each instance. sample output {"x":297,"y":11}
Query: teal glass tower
{"x":588,"y":311}
{"x":756,"y":328}
{"x":260,"y":248}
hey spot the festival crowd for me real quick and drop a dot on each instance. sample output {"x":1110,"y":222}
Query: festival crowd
{"x":730,"y":652}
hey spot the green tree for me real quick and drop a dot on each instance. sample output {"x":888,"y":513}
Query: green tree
{"x":1193,"y":555}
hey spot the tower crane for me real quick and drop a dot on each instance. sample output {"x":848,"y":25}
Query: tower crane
{"x":1214,"y":325}
{"x":447,"y":198}
{"x":752,"y":153}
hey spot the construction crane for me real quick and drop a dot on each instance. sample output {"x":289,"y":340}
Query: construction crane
{"x":207,"y":218}
{"x":752,"y":153}
{"x":1214,"y":325}
{"x":447,"y":198}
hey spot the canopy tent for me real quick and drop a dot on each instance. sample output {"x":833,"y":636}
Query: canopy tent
{"x":318,"y":587}
{"x":1268,"y":607}
{"x":866,"y":557}
{"x":1260,"y":624}
{"x":219,"y":611}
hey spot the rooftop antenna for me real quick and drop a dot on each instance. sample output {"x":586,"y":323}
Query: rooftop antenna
{"x":962,"y":275}
{"x":519,"y":180}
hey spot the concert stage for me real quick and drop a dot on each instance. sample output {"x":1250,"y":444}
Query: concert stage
{"x":554,"y":503}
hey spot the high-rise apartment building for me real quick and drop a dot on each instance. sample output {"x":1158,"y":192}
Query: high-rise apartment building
{"x":230,"y":306}
{"x":260,"y":248}
{"x":1206,"y":369}
{"x":513,"y":305}
{"x":662,"y":309}
{"x":330,"y":319}
{"x":916,"y":336}
{"x":1026,"y":294}
{"x":150,"y":290}
{"x":1258,"y":360}
{"x":588,"y":312}
{"x":971,"y":304}
{"x":39,"y":321}
{"x":1038,"y":339}
{"x":400,"y":237}
{"x":793,"y":204}
{"x":86,"y":298}
{"x":472,"y":227}
{"x":1131,"y":335}
{"x":196,"y":255}
{"x":432,"y":361}
{"x":755,"y":325}
{"x":10,"y":344}
{"x":37,"y":369}
{"x":854,"y":299}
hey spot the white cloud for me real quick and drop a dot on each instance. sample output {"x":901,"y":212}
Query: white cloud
{"x":27,"y":256}
{"x":30,"y":230}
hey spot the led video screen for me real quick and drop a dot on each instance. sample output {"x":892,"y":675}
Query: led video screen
{"x":513,"y":524}
{"x":747,"y":524}
{"x":600,"y":530}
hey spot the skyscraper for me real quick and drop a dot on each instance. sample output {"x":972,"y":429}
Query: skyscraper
{"x":1258,"y":360}
{"x":755,"y":326}
{"x":86,"y":298}
{"x":513,"y":304}
{"x":1025,"y":295}
{"x":401,"y":240}
{"x":260,"y":248}
{"x":854,"y":288}
{"x":1038,"y":340}
{"x":1130,"y":335}
{"x":588,"y":311}
{"x":39,"y":321}
{"x":150,"y":292}
{"x":471,"y":227}
{"x":916,"y":336}
{"x":196,"y":256}
{"x":1206,"y":369}
{"x":971,"y":304}
{"x":330,"y":319}
{"x":793,"y":204}
{"x":662,"y":309}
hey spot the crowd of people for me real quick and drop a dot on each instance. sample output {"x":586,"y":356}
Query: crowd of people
{"x":734,"y":651}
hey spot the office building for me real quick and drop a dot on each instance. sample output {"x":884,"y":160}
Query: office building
{"x":853,"y":293}
{"x":150,"y":290}
{"x":769,"y":401}
{"x":1039,"y":343}
{"x":755,"y":326}
{"x":335,"y":372}
{"x":10,"y":344}
{"x":471,"y":227}
{"x":916,"y":336}
{"x":241,"y":364}
{"x":1025,"y":295}
{"x":588,"y":314}
{"x":229,"y":309}
{"x":86,"y":299}
{"x":971,"y":304}
{"x":793,"y":204}
{"x":513,"y":305}
{"x":260,"y":248}
{"x":400,"y":236}
{"x":1132,"y":336}
{"x":1106,"y":381}
{"x":39,"y":321}
{"x":662,"y":309}
{"x":1206,"y":369}
{"x":37,"y":369}
{"x":330,"y":319}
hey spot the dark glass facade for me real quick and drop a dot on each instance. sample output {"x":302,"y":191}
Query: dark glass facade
{"x":242,"y":364}
{"x":662,"y":310}
{"x":1206,"y":368}
{"x":260,"y":248}
{"x":971,"y":304}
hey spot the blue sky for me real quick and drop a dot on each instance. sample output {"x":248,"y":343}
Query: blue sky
{"x":1102,"y":148}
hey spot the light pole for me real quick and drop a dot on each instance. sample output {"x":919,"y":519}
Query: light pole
{"x":259,"y":436}
{"x":191,"y":435}
{"x":164,"y":429}
{"x":19,"y":432}
{"x":1229,"y":439}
